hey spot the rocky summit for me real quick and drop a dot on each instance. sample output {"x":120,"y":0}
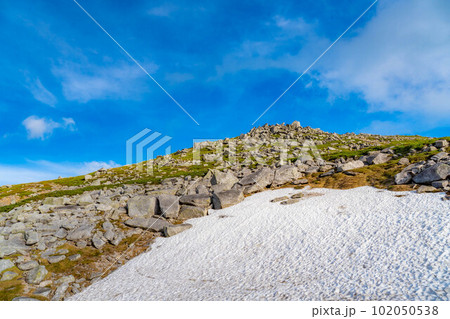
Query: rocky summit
{"x":58,"y":237}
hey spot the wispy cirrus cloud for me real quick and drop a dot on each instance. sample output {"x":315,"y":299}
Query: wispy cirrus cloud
{"x":40,"y":92}
{"x":42,"y":128}
{"x":86,"y":82}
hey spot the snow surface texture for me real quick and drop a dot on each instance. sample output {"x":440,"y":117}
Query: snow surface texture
{"x":359,"y":244}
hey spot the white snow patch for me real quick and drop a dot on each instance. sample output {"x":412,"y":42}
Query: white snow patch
{"x":359,"y":244}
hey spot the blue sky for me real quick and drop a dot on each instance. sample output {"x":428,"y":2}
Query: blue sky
{"x":71,"y":98}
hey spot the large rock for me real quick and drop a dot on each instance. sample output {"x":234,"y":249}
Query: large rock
{"x":152,"y":224}
{"x":37,"y":275}
{"x":404,"y":177}
{"x":199,"y":200}
{"x":31,"y":237}
{"x":286,"y":174}
{"x":5,"y":264}
{"x":82,"y":232}
{"x":173,"y":230}
{"x":169,"y":206}
{"x":12,"y":246}
{"x":257,"y":181}
{"x":85,"y":200}
{"x":142,"y":206}
{"x":226,"y":180}
{"x":441,"y":143}
{"x":378,"y":158}
{"x":436,"y":172}
{"x":188,"y":211}
{"x":227,"y":198}
{"x":350,"y":165}
{"x":54,"y":201}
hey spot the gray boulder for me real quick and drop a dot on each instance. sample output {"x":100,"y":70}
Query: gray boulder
{"x":151,"y":224}
{"x":440,"y":184}
{"x":173,"y":230}
{"x":285,"y":174}
{"x":98,"y":242}
{"x":441,"y":143}
{"x":56,"y":259}
{"x":54,"y":201}
{"x":37,"y":275}
{"x":403,"y":161}
{"x":199,"y":200}
{"x":378,"y":158}
{"x":436,"y":172}
{"x":404,"y":177}
{"x":9,"y":275}
{"x":28,"y":265}
{"x":349,"y":166}
{"x":227,"y":198}
{"x":142,"y":206}
{"x":227,"y":180}
{"x":5,"y":264}
{"x":82,"y":232}
{"x":31,"y":237}
{"x":257,"y":181}
{"x":85,"y":200}
{"x":169,"y":206}
{"x":188,"y":211}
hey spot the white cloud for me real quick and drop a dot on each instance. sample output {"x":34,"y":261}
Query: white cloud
{"x":86,"y":82}
{"x":40,"y":93}
{"x":162,"y":11}
{"x":42,"y":128}
{"x":178,"y":77}
{"x":37,"y":171}
{"x":399,"y":61}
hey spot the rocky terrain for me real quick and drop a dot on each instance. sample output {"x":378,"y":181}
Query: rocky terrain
{"x":57,"y":237}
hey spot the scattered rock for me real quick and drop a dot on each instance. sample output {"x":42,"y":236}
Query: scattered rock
{"x":188,"y":211}
{"x":426,"y":189}
{"x":28,"y":265}
{"x":285,"y":174}
{"x":97,"y":241}
{"x":5,"y":264}
{"x":82,"y":232}
{"x":403,"y":161}
{"x":55,"y":259}
{"x":227,"y":198}
{"x":74,"y":257}
{"x":35,"y":276}
{"x":199,"y":200}
{"x":169,"y":206}
{"x":85,"y":200}
{"x":279,"y":199}
{"x":42,"y":292}
{"x":290,"y":201}
{"x":173,"y":230}
{"x":440,"y":184}
{"x":378,"y":158}
{"x":257,"y":181}
{"x":298,"y":195}
{"x":436,"y":172}
{"x":54,"y":201}
{"x":142,"y":206}
{"x":31,"y":237}
{"x":151,"y":224}
{"x":441,"y":143}
{"x":350,"y":165}
{"x":8,"y":275}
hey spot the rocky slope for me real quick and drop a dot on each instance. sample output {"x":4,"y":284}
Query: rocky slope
{"x":59,"y":236}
